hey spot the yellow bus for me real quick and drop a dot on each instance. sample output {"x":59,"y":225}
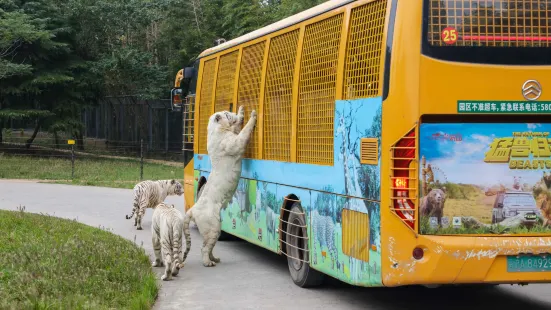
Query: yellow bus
{"x":398,"y":142}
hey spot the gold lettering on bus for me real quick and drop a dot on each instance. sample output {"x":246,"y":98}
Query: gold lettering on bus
{"x":524,"y":150}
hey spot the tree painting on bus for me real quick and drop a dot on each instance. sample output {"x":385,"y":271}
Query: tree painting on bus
{"x":356,"y":119}
{"x":323,"y":191}
{"x":492,"y":178}
{"x":253,"y":213}
{"x":327,"y":246}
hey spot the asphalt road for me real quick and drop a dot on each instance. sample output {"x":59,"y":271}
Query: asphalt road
{"x":249,"y":277}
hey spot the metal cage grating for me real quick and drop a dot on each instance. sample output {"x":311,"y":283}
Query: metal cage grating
{"x":317,"y":90}
{"x":355,"y":234}
{"x":248,"y":95}
{"x":363,"y":52}
{"x":279,"y":96}
{"x":501,"y":23}
{"x":225,"y":83}
{"x":188,"y":118}
{"x":205,"y":105}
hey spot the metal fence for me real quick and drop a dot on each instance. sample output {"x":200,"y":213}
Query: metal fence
{"x":117,"y":126}
{"x":64,"y":163}
{"x":124,"y":121}
{"x":125,"y":140}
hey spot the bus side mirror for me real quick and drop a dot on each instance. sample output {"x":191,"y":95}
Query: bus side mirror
{"x":189,"y":72}
{"x":176,"y":98}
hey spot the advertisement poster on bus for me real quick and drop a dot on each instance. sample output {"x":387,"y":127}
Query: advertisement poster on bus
{"x":485,"y":178}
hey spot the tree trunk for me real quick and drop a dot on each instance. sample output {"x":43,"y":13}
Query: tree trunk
{"x":31,"y":139}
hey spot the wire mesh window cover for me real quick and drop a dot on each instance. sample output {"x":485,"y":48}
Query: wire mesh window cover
{"x":317,"y":89}
{"x":363,"y":51}
{"x":279,"y":96}
{"x":225,"y":82}
{"x":502,"y":23}
{"x":250,"y":75}
{"x":355,"y":234}
{"x":205,"y":107}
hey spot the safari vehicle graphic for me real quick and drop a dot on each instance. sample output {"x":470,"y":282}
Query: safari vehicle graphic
{"x":513,"y":203}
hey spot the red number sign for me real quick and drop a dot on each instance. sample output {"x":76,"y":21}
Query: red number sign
{"x":449,"y":35}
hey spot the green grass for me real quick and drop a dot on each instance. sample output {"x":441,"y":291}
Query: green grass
{"x":52,"y":263}
{"x":461,"y":191}
{"x":464,"y":200}
{"x":491,"y":230}
{"x":88,"y":171}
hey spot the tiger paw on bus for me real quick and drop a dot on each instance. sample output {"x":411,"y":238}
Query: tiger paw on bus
{"x":398,"y":142}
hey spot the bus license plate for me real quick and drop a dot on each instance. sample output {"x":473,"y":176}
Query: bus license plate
{"x":528,"y":263}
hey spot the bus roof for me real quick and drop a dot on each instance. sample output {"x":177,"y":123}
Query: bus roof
{"x":286,"y":22}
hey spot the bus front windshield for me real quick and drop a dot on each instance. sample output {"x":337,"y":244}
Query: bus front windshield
{"x":488,"y":31}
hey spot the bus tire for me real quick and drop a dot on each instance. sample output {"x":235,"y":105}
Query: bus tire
{"x":301,"y":272}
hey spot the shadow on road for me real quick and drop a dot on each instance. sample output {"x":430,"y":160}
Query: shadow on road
{"x":414,"y":297}
{"x":439,"y":298}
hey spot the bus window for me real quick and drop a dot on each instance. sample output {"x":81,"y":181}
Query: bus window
{"x":491,"y":32}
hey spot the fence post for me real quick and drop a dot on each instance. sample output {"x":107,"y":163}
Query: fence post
{"x":141,"y":159}
{"x":166,"y":131}
{"x":72,"y":161}
{"x":150,"y":127}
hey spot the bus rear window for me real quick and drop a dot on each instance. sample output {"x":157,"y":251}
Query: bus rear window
{"x":489,"y":31}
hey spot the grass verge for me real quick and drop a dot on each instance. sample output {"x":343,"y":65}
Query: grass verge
{"x":88,"y":171}
{"x":52,"y":263}
{"x":538,"y":228}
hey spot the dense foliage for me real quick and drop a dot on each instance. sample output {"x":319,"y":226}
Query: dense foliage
{"x":57,"y":56}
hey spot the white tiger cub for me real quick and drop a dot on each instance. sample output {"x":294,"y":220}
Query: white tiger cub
{"x":148,"y":194}
{"x":226,"y":145}
{"x":166,"y":232}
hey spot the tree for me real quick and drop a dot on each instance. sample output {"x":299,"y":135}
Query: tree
{"x":50,"y":79}
{"x":18,"y":32}
{"x":60,"y":55}
{"x":241,"y":17}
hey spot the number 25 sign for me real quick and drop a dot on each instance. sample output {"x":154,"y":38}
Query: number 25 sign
{"x":449,"y":35}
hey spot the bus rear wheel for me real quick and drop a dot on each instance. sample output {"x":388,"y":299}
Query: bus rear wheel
{"x":297,"y":250}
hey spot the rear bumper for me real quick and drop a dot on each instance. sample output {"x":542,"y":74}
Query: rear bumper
{"x":468,"y":260}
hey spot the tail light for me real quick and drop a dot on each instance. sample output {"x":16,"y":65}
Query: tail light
{"x":404,"y":178}
{"x":177,"y":99}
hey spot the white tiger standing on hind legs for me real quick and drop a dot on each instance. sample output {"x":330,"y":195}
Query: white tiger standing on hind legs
{"x":148,"y":194}
{"x":166,"y":233}
{"x":226,"y":145}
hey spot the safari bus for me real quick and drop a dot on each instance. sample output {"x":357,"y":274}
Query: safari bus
{"x":398,"y":142}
